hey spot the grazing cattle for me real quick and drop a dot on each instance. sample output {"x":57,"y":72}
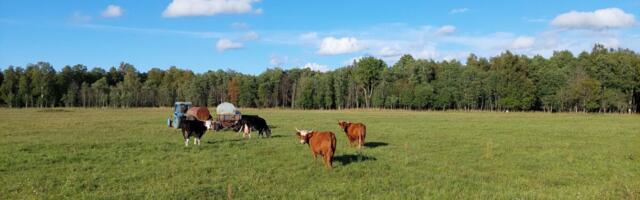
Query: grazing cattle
{"x":321,"y":143}
{"x":194,"y":128}
{"x":356,"y":132}
{"x":253,"y":122}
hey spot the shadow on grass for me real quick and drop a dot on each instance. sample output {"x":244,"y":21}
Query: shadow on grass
{"x":375,"y":144}
{"x":241,"y":139}
{"x":351,"y":158}
{"x":225,"y":141}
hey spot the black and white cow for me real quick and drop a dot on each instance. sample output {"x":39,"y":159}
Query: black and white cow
{"x":253,"y":122}
{"x":194,"y":128}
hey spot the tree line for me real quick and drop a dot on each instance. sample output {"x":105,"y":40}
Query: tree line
{"x":603,"y":80}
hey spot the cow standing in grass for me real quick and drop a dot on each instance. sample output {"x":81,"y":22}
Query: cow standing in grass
{"x":195,"y":128}
{"x":253,"y":122}
{"x":321,"y":143}
{"x":356,"y":132}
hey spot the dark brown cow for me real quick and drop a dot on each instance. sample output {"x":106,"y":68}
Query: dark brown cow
{"x":321,"y":143}
{"x":356,"y":132}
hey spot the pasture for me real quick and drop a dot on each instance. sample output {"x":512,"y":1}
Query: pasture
{"x":131,"y":154}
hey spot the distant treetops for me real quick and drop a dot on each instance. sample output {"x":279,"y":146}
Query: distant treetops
{"x":603,"y":80}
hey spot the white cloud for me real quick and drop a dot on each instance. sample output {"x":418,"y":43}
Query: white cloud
{"x":352,"y":60}
{"x":390,"y":41}
{"x":446,"y":30}
{"x":599,"y":19}
{"x":335,"y":46}
{"x":390,"y":51}
{"x":80,"y":18}
{"x":523,"y":42}
{"x":112,"y":11}
{"x":610,"y":43}
{"x":535,"y":20}
{"x":227,"y":44}
{"x":277,"y":60}
{"x":428,"y":52}
{"x":458,"y":10}
{"x":316,"y":67}
{"x":180,"y":8}
{"x":309,"y":36}
{"x":251,"y":36}
{"x":239,"y":25}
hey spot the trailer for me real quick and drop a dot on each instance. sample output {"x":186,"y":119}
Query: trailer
{"x":227,"y":115}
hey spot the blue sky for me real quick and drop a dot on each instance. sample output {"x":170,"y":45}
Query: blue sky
{"x":249,"y":36}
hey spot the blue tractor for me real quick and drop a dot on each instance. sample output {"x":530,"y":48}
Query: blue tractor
{"x":179,"y":110}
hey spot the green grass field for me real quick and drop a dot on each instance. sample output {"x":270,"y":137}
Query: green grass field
{"x":131,"y":154}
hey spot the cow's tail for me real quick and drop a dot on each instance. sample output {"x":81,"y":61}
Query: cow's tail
{"x":333,"y":143}
{"x":361,"y":138}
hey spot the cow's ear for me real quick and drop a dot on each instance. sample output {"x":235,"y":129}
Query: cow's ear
{"x":298,"y":133}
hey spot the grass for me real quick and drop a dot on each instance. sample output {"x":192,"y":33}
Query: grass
{"x":130,"y":154}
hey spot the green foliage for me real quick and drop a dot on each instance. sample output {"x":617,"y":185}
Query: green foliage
{"x":367,"y":72}
{"x":9,"y":87}
{"x":603,"y":80}
{"x":247,"y":96}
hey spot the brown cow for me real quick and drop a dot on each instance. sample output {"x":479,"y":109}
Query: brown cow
{"x":321,"y":143}
{"x":356,"y":132}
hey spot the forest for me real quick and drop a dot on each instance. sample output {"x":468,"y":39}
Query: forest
{"x":603,"y":80}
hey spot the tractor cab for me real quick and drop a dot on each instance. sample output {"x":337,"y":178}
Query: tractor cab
{"x":179,"y":110}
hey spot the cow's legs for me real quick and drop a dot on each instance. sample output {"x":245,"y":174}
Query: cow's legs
{"x":327,"y":161}
{"x":247,"y":131}
{"x":240,"y":130}
{"x":315,"y":156}
{"x":185,"y":134}
{"x":199,"y":139}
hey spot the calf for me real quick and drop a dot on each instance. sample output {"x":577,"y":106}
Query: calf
{"x":253,"y":122}
{"x":355,"y":132}
{"x":321,"y":143}
{"x":193,"y":128}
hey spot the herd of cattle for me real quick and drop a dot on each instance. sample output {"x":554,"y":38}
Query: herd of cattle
{"x":321,"y":143}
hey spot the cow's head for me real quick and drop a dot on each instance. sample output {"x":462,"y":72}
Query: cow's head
{"x":209,"y":124}
{"x":304,"y":135}
{"x":344,"y":124}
